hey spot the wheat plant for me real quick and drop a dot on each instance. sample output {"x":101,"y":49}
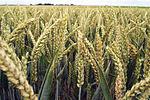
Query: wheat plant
{"x":74,"y":53}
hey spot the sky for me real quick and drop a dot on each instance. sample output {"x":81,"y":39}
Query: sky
{"x":82,"y":2}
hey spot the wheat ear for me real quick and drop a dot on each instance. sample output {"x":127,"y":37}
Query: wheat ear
{"x":90,"y":59}
{"x":99,"y":51}
{"x":142,"y":87}
{"x":36,"y":52}
{"x":80,"y":62}
{"x":15,"y":34}
{"x":10,"y":53}
{"x":118,"y":66}
{"x":118,"y":88}
{"x":16,"y":76}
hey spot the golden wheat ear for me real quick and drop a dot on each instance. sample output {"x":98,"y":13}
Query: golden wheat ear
{"x":80,"y":62}
{"x":118,"y":88}
{"x":15,"y":76}
{"x":85,"y":52}
{"x":20,"y":29}
{"x":36,"y":52}
{"x":12,"y":55}
{"x":99,"y":50}
{"x":142,"y":87}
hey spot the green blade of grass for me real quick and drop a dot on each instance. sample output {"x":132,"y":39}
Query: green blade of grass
{"x":44,"y":92}
{"x":104,"y":85}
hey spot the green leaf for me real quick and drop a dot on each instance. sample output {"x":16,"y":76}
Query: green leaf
{"x":107,"y":70}
{"x":96,"y":95}
{"x":44,"y":92}
{"x":60,"y":73}
{"x":104,"y":85}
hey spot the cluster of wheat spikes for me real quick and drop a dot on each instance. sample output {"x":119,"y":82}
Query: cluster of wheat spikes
{"x":74,"y":53}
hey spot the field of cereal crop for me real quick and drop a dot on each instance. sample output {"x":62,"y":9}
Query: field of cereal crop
{"x":74,"y":53}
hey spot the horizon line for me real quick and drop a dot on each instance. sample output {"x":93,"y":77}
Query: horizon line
{"x":70,"y":5}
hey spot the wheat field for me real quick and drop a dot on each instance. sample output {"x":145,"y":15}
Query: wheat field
{"x":74,"y":53}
